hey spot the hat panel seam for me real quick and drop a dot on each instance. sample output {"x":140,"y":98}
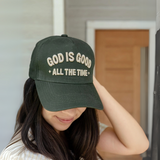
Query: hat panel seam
{"x":39,"y":45}
{"x":88,"y":48}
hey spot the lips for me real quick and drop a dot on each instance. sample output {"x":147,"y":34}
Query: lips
{"x":69,"y":120}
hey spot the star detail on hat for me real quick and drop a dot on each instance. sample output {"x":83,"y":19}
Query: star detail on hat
{"x":49,"y":71}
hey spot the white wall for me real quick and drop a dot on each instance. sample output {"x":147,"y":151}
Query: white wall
{"x":79,"y":12}
{"x":158,"y":14}
{"x":22,"y":24}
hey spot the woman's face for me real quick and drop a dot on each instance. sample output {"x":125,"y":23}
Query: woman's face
{"x":61,"y":120}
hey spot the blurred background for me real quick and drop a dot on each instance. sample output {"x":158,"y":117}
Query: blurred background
{"x":22,"y":24}
{"x":121,"y":32}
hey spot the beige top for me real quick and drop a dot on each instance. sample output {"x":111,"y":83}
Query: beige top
{"x":16,"y":150}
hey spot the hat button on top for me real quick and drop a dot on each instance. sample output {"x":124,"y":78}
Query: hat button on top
{"x":64,"y":35}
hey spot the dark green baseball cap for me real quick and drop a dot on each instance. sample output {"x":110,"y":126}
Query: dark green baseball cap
{"x":62,"y":68}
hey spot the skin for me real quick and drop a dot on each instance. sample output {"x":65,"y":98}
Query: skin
{"x":126,"y":137}
{"x":61,"y":120}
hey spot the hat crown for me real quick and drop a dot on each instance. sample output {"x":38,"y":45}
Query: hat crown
{"x":62,"y":59}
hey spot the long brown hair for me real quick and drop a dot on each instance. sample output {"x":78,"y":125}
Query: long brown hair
{"x":79,"y":140}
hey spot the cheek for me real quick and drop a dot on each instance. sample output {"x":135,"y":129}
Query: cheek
{"x":44,"y":113}
{"x":81,"y":110}
{"x":50,"y":118}
{"x":47,"y":115}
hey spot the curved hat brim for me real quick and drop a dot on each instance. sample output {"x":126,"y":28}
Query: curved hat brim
{"x":60,"y":96}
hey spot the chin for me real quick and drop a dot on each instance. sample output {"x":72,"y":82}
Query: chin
{"x":60,"y":129}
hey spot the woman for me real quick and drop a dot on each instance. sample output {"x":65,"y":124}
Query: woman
{"x":57,"y":119}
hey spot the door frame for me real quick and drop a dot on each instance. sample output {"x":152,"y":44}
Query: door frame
{"x":92,"y":26}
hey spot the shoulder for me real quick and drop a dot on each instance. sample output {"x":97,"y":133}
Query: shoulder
{"x":16,"y":150}
{"x":102,"y":127}
{"x":12,"y":151}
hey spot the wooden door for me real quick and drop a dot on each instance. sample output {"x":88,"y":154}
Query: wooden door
{"x":117,"y":68}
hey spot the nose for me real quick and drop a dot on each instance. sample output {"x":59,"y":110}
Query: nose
{"x":70,"y":112}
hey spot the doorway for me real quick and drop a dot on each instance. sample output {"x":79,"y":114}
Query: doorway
{"x":92,"y":26}
{"x":118,"y":69}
